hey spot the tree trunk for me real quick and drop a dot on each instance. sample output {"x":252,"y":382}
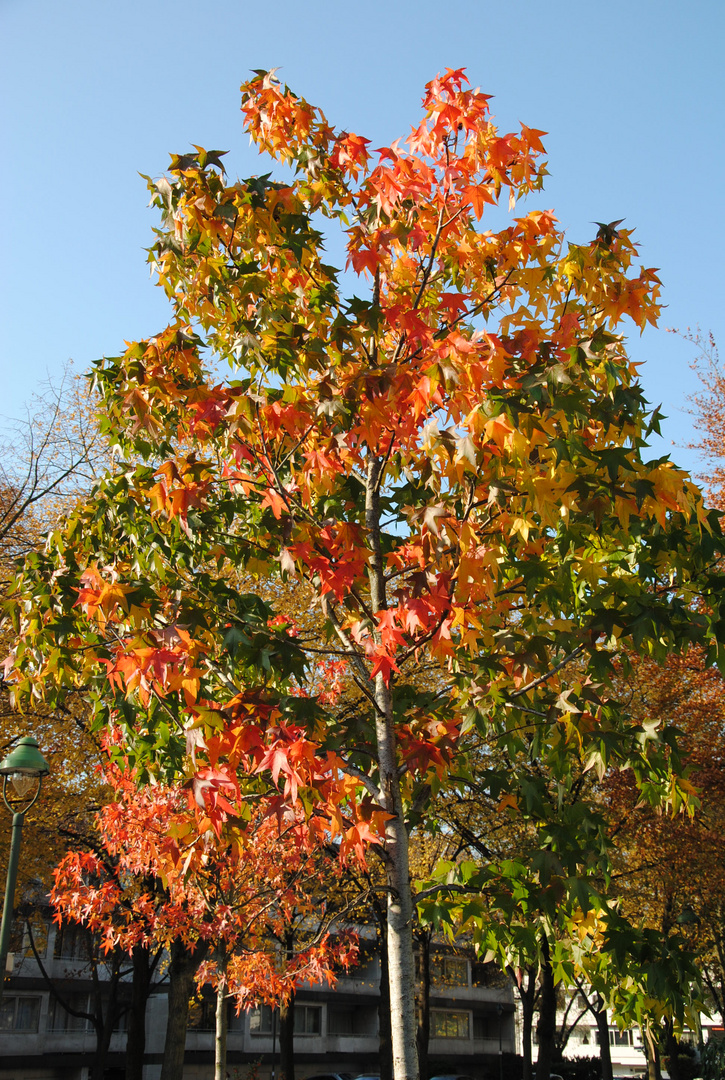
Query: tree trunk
{"x":527,"y":996}
{"x":105,"y":1009}
{"x":423,"y":1034}
{"x":220,"y":1034}
{"x":652,"y":1054}
{"x":546,"y":1027}
{"x":222,"y":1015}
{"x":605,"y":1050}
{"x":106,"y":1013}
{"x":103,"y":1042}
{"x":140,"y":989}
{"x":385,"y":1041}
{"x":287,"y":1039}
{"x":182,"y":968}
{"x":400,"y":901}
{"x":672,"y":1049}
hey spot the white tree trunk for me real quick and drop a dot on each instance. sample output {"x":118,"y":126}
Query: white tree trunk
{"x":220,"y":1037}
{"x":400,"y":923}
{"x":401,"y":964}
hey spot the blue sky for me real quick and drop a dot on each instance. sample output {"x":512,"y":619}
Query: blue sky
{"x":95,"y":92}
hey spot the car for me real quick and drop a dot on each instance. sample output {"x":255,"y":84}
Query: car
{"x":368,"y":1076}
{"x":452,"y":1076}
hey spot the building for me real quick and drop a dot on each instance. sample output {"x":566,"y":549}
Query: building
{"x":336,"y":1029}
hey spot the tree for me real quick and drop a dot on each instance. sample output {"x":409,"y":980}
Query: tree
{"x":47,"y":461}
{"x":537,"y":849}
{"x":81,"y":877}
{"x":670,"y":874}
{"x":105,"y":968}
{"x":319,"y":903}
{"x":160,"y":877}
{"x":453,"y":463}
{"x":707,"y":410}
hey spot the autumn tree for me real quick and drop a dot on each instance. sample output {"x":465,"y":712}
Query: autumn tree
{"x":85,"y":874}
{"x":452,"y":457}
{"x":320,"y":903}
{"x":162,"y":877}
{"x":704,"y":706}
{"x":49,"y":458}
{"x":105,"y":970}
{"x":670,"y":874}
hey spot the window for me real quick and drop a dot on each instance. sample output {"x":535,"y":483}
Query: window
{"x":71,"y":942}
{"x":340,"y":1021}
{"x":19,"y":944}
{"x":236,"y":1019}
{"x":202,"y":1014}
{"x":121,"y":1021}
{"x":59,"y":1019}
{"x":618,"y":1038}
{"x":488,"y":974}
{"x":308,"y":1019}
{"x":449,"y":1025}
{"x":351,"y":1020}
{"x":20,"y":1014}
{"x":448,"y":971}
{"x":366,"y":969}
{"x":261,"y":1020}
{"x":486,"y":1027}
{"x":20,"y":937}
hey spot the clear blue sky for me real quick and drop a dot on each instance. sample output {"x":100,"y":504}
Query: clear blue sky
{"x":95,"y":92}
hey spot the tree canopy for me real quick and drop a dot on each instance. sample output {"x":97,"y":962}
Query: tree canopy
{"x":445,"y":441}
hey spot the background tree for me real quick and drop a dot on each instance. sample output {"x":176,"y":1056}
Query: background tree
{"x":105,"y":969}
{"x":163,"y":877}
{"x":453,"y":463}
{"x":670,"y":873}
{"x":48,"y":460}
{"x":128,"y":901}
{"x":707,"y":410}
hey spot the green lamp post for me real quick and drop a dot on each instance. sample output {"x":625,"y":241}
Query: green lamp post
{"x":25,"y":768}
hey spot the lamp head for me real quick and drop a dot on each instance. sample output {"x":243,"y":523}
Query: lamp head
{"x":24,"y":765}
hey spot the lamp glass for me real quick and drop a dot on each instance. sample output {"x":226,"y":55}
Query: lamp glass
{"x":23,"y":783}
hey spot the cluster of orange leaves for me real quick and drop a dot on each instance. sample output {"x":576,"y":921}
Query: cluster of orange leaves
{"x":160,"y":875}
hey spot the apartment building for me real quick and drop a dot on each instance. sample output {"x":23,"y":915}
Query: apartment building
{"x":336,"y":1028}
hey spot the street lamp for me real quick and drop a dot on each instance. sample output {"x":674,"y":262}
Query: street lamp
{"x":25,"y":768}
